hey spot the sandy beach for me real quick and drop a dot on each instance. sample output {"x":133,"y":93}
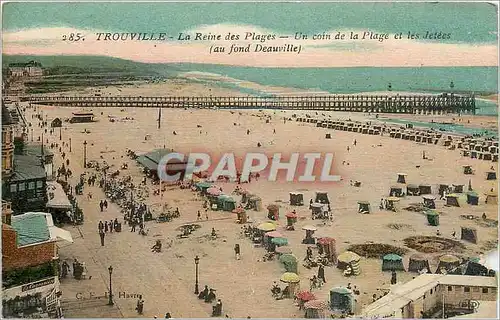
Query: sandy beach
{"x":166,"y":280}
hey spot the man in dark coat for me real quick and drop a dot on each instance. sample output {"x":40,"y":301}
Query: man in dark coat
{"x":321,"y":273}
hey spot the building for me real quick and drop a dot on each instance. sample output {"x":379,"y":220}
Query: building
{"x":7,"y":143}
{"x":151,"y":160}
{"x":30,"y":264}
{"x":427,"y":295}
{"x":80,"y":117}
{"x":30,"y":69}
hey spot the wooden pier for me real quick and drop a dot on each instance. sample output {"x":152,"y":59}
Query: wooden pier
{"x":417,"y":104}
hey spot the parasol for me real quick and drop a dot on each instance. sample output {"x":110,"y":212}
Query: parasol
{"x":288,"y":258}
{"x":325,"y":240}
{"x":239,"y":210}
{"x":392,"y":257}
{"x":348,"y":257}
{"x":290,"y":277}
{"x":274,"y":234}
{"x":305,"y":296}
{"x":214,"y":191}
{"x":309,"y":228}
{"x":316,"y":304}
{"x":291,"y":215}
{"x":280,"y":241}
{"x":283,"y":250}
{"x":266,"y":226}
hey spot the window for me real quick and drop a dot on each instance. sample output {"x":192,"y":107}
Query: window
{"x":13,"y":188}
{"x":485,"y":290}
{"x":493,"y":290}
{"x":22,"y":186}
{"x":450,"y":288}
{"x":475,"y":289}
{"x":31,"y":185}
{"x":39,"y":184}
{"x":431,"y":291}
{"x":466,"y":289}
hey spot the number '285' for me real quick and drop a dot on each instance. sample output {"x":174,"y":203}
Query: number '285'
{"x":73,"y":37}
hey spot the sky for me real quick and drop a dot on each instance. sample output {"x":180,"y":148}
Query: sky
{"x":38,"y":29}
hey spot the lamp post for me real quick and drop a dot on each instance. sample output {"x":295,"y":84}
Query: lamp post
{"x":110,"y":302}
{"x":196,"y":263}
{"x":85,"y":154}
{"x":69,"y":144}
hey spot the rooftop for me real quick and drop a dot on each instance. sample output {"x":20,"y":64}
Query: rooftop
{"x":30,"y":228}
{"x":402,"y":294}
{"x":27,"y":167}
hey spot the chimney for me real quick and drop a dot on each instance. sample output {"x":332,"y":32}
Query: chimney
{"x":6,"y":212}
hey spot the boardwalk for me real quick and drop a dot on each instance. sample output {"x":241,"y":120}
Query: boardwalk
{"x":419,"y":104}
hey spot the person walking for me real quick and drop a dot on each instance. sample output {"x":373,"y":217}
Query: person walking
{"x":101,"y":234}
{"x":237,"y":251}
{"x":321,"y":273}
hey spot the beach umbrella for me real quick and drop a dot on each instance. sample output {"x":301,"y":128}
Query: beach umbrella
{"x":309,"y":228}
{"x":392,"y":257}
{"x":325,"y":240}
{"x":291,"y":215}
{"x":266,"y":226}
{"x":274,"y":234}
{"x":348,"y":257}
{"x":305,"y":296}
{"x":290,"y":277}
{"x":288,"y":258}
{"x":283,"y":250}
{"x":279,"y":241}
{"x":316,"y":304}
{"x":239,"y":210}
{"x":214,"y":191}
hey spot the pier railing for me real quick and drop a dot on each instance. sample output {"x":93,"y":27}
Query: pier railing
{"x":447,"y":103}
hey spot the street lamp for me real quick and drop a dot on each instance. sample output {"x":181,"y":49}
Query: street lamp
{"x":85,"y":154}
{"x":196,"y":262}
{"x":110,"y":302}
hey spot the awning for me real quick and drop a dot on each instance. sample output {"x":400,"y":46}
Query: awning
{"x":57,"y":198}
{"x":60,"y":234}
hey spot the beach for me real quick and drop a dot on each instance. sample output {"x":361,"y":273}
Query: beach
{"x":166,"y":279}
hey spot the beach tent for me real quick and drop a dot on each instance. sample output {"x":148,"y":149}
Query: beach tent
{"x":315,"y":309}
{"x":472,"y":198}
{"x":226,"y":203}
{"x":425,"y":189}
{"x":273,"y":212}
{"x":417,"y":263}
{"x":392,"y":204}
{"x":296,"y":199}
{"x":321,"y":197}
{"x":402,"y":178}
{"x":56,"y":123}
{"x":341,"y":299}
{"x":349,"y":258}
{"x":328,"y":247}
{"x":474,"y":268}
{"x":491,"y":198}
{"x":468,"y":234}
{"x":443,"y":188}
{"x":432,"y":217}
{"x":290,"y":262}
{"x":449,"y":263}
{"x":468,"y":169}
{"x":452,"y":200}
{"x":254,"y":203}
{"x":412,"y":190}
{"x":458,"y":188}
{"x":491,"y":175}
{"x":429,"y":201}
{"x":396,"y":191}
{"x":392,"y":262}
{"x":309,"y":234}
{"x":363,"y":207}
